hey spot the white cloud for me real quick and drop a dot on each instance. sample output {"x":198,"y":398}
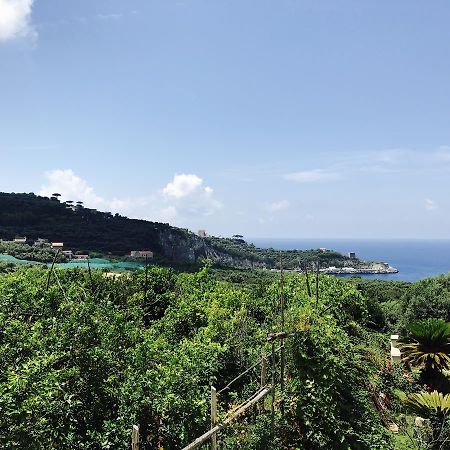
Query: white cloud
{"x":430,"y":205}
{"x":71,"y":187}
{"x":312,"y":176}
{"x":184,"y":185}
{"x":183,"y":200}
{"x":190,"y":197}
{"x":277,"y":206}
{"x":15,"y":19}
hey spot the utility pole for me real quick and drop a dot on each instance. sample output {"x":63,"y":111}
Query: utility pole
{"x":146,"y":281}
{"x":317,"y":281}
{"x":282,"y":362}
{"x":272,"y":406}
{"x":308,"y":287}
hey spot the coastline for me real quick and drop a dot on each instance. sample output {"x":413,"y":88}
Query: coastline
{"x":374,"y":270}
{"x":415,"y":259}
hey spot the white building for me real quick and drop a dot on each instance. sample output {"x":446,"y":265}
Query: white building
{"x":141,"y":254}
{"x":80,"y":257}
{"x":201,"y":233}
{"x":395,"y":351}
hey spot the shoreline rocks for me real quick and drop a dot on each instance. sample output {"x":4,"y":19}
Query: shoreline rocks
{"x":364,"y":268}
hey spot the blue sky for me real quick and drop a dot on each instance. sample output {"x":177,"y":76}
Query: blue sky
{"x":287,"y":118}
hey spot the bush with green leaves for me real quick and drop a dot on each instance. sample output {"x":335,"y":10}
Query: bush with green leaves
{"x":428,"y":298}
{"x":86,"y":359}
{"x":92,"y":355}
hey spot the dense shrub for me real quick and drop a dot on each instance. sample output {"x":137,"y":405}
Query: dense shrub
{"x":88,"y":358}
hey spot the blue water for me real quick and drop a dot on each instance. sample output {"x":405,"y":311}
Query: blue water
{"x":415,"y":259}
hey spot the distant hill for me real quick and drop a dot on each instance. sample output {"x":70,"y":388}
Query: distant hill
{"x":89,"y":230}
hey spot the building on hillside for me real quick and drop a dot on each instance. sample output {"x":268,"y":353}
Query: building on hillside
{"x":201,"y":233}
{"x":20,"y":240}
{"x":39,"y":242}
{"x":141,"y":254}
{"x":57,"y":245}
{"x":352,"y":255}
{"x":323,"y":250}
{"x":68,"y":254}
{"x":395,"y":351}
{"x":80,"y":257}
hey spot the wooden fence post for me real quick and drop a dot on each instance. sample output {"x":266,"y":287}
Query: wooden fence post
{"x":263,"y":372}
{"x":263,"y":382}
{"x":213,"y":417}
{"x":135,"y":438}
{"x":236,"y":412}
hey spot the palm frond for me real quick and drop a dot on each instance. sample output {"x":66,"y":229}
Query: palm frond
{"x":428,"y":344}
{"x":424,"y":404}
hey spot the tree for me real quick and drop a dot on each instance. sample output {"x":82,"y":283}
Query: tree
{"x":428,"y":348}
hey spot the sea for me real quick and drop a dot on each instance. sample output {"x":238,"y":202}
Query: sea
{"x":414,"y":259}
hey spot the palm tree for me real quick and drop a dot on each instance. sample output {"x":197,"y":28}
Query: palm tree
{"x":434,"y":406}
{"x":426,"y":403}
{"x":428,"y":348}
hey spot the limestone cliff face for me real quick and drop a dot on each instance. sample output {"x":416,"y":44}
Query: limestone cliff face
{"x":181,"y":245}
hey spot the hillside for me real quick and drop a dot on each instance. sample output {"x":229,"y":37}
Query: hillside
{"x":88,"y":230}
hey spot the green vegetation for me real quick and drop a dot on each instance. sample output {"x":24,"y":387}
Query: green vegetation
{"x":385,"y":301}
{"x":420,"y":312}
{"x":291,"y":259}
{"x":31,"y":252}
{"x":425,"y":403}
{"x":428,"y":346}
{"x":7,"y":267}
{"x":433,"y":408}
{"x":80,"y":228}
{"x":94,"y":354}
{"x":86,"y":359}
{"x":428,"y":298}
